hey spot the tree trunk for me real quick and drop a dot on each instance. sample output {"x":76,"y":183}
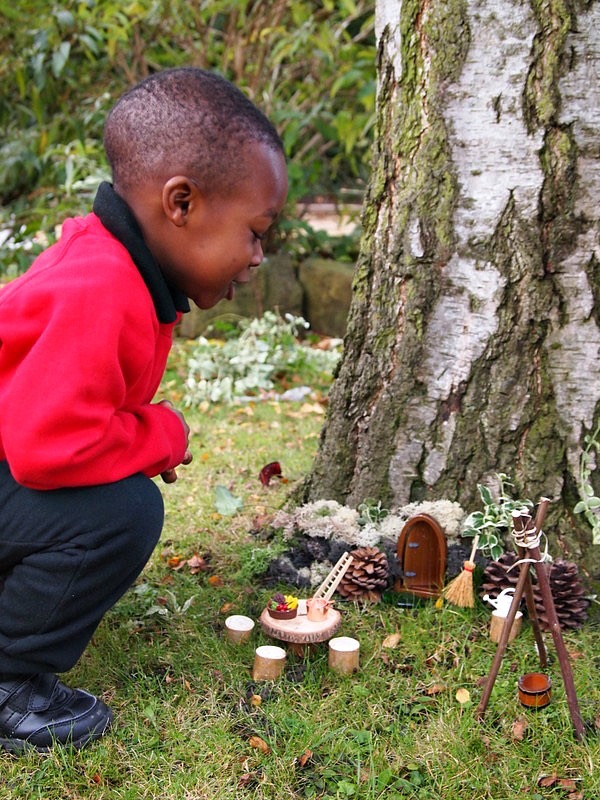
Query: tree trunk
{"x":474,"y":331}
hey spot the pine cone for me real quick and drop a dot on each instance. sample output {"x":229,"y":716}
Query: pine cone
{"x":366,"y":576}
{"x":567,"y":592}
{"x":568,"y":595}
{"x":496,"y":576}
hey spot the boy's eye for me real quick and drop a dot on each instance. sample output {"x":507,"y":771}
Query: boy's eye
{"x":260,"y":236}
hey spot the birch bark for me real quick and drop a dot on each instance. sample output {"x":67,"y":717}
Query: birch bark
{"x":474,"y":332}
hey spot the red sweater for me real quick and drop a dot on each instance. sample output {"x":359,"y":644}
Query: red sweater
{"x":81,"y":356}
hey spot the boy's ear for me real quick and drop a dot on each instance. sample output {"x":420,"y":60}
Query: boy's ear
{"x":179,"y":195}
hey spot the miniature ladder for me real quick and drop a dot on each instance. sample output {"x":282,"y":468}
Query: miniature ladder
{"x":331,"y":582}
{"x":527,"y":535}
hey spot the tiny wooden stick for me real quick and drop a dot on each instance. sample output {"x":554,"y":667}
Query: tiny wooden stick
{"x":332,"y":581}
{"x":474,"y":548}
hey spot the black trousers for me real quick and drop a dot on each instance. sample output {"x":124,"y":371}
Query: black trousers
{"x":66,"y":557}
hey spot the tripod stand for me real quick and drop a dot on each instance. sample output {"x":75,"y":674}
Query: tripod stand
{"x":527,"y":534}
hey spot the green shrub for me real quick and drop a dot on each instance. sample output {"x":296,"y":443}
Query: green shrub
{"x":310,"y":65}
{"x":257,"y":354}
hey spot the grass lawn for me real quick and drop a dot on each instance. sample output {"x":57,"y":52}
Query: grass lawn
{"x":190,"y":724}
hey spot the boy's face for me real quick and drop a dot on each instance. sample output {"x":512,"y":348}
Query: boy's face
{"x":206,"y":246}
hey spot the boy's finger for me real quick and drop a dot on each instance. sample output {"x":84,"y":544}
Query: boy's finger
{"x":169,"y":476}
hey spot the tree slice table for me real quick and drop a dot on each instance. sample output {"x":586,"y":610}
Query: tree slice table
{"x":301,"y":632}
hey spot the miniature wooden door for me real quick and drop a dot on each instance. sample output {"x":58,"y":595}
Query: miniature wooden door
{"x":422,"y":550}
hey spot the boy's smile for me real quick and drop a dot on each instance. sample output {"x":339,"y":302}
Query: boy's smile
{"x":208,"y":244}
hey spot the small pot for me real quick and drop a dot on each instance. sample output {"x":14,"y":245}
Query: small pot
{"x":535,"y":689}
{"x":290,"y":614}
{"x":317,"y":608}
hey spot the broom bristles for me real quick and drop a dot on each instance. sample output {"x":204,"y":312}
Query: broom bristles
{"x":459,"y":591}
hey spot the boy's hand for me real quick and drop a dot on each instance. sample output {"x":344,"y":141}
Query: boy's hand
{"x":170,"y":475}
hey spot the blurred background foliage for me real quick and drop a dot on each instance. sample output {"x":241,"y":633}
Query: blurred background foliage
{"x":309,"y":65}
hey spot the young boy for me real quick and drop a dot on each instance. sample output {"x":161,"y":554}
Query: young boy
{"x":198,"y":177}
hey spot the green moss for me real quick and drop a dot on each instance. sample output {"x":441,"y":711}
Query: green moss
{"x":542,"y":99}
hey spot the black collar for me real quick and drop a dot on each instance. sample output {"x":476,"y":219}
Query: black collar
{"x":116,"y":216}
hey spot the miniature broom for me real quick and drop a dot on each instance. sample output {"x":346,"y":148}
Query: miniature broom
{"x":459,"y":591}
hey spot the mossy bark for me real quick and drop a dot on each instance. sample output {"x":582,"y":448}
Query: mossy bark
{"x":472,"y":340}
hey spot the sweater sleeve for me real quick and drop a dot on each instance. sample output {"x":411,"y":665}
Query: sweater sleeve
{"x":79,"y":366}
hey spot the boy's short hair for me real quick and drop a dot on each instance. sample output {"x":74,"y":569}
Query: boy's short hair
{"x":184,"y":121}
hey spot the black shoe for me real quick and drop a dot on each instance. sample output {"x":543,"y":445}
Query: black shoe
{"x":39,"y":711}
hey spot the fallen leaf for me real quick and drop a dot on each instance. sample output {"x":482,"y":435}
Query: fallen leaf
{"x":255,"y":700}
{"x":312,"y":408}
{"x":226,"y":608}
{"x":96,"y":778}
{"x":271,"y":470}
{"x":216,"y":580}
{"x":435,"y":657}
{"x":567,"y":783}
{"x":518,"y":729}
{"x":392,"y":640}
{"x":226,"y":503}
{"x":196,"y":564}
{"x":259,"y":744}
{"x":437,"y":688}
{"x":261,"y":521}
{"x":575,"y":654}
{"x":463,"y":696}
{"x":547,"y":780}
{"x":247,"y":779}
{"x":174,"y":561}
{"x":304,"y":758}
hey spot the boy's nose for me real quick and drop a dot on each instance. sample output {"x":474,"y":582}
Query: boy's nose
{"x":257,"y":256}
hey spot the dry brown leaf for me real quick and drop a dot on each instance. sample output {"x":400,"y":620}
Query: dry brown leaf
{"x":518,"y":729}
{"x":246,"y":779}
{"x":259,"y":744}
{"x":548,"y":780}
{"x":226,"y":608}
{"x":304,"y":758}
{"x":255,"y":700}
{"x":216,"y":580}
{"x":567,"y":783}
{"x":392,"y":640}
{"x":196,"y":564}
{"x":575,"y":654}
{"x":463,"y":696}
{"x":434,"y":658}
{"x":436,"y":689}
